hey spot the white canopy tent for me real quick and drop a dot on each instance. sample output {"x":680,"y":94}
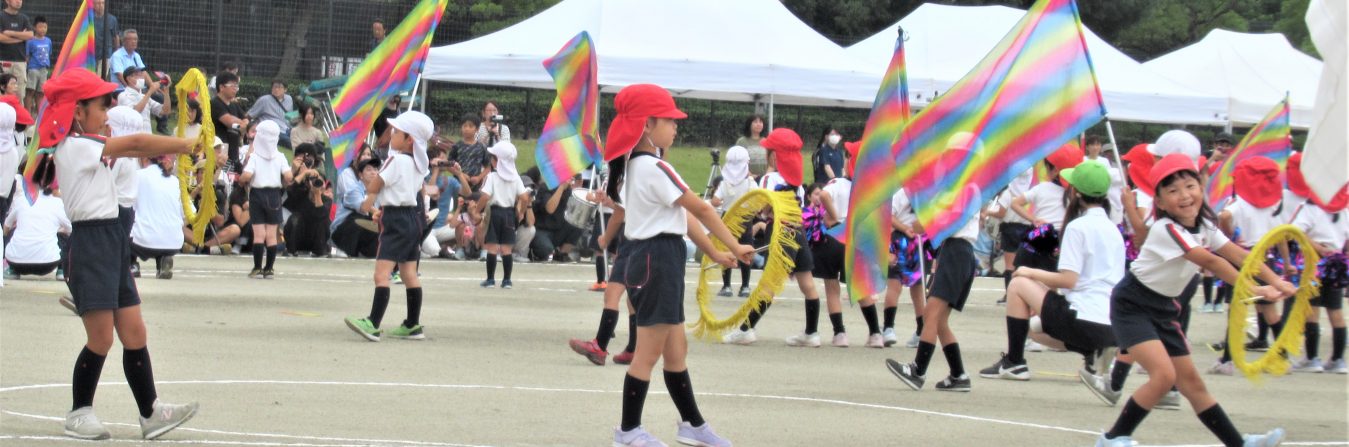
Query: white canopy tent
{"x":743,"y":50}
{"x":1253,"y":71}
{"x":945,"y":42}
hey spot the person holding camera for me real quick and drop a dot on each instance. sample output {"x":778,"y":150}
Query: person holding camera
{"x":139,"y":95}
{"x":274,"y":107}
{"x":444,"y":186}
{"x":555,"y":236}
{"x":493,"y":129}
{"x":308,"y":199}
{"x":524,"y":226}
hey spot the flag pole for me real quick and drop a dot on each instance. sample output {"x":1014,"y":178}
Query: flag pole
{"x":1119,"y":163}
{"x":604,"y":252}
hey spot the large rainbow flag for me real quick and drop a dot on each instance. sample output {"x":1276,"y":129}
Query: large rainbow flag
{"x":570,"y":140}
{"x":1272,"y":137}
{"x":392,"y":68}
{"x":868,"y":225}
{"x":1035,"y":91}
{"x":77,"y":51}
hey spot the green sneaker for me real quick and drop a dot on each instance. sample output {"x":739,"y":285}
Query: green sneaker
{"x":407,"y":333}
{"x":364,"y":327}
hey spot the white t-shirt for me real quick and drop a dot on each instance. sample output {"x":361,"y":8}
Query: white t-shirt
{"x":128,"y":187}
{"x":34,"y":240}
{"x":159,"y":211}
{"x":901,"y":209}
{"x":1004,"y":201}
{"x":730,"y":193}
{"x":651,"y":188}
{"x":266,"y":173}
{"x":87,"y":186}
{"x":18,"y":199}
{"x":970,"y":231}
{"x":840,"y":189}
{"x":504,"y":192}
{"x":1161,"y":265}
{"x":1094,"y":249}
{"x":1254,"y":223}
{"x":1331,"y":229}
{"x":1144,"y":202}
{"x":401,"y":181}
{"x":1116,"y":193}
{"x":130,"y":97}
{"x":9,"y":164}
{"x":1046,"y":201}
{"x":772,"y":180}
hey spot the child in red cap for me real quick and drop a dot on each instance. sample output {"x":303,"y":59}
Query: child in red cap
{"x":1327,"y":225}
{"x":1046,"y":209}
{"x":99,"y":270}
{"x":1143,"y":311}
{"x":662,"y":210}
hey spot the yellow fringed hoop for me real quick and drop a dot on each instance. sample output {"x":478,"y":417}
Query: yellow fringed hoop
{"x":198,"y":218}
{"x":1289,"y":342}
{"x":777,"y":268}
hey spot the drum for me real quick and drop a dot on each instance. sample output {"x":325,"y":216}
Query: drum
{"x":580,"y":212}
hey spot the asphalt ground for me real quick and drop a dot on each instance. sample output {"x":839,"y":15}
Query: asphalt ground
{"x":272,"y":364}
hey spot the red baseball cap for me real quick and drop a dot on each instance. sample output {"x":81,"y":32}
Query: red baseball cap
{"x":63,"y":91}
{"x":1068,"y":156}
{"x":1256,"y":181}
{"x":1140,"y":167}
{"x":786,"y":144}
{"x":21,"y":115}
{"x":1296,"y":182}
{"x":633,"y":105}
{"x":1168,"y":165}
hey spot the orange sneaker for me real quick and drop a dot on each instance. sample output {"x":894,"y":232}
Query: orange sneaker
{"x":598,"y":287}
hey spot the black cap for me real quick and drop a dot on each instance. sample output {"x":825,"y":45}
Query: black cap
{"x":1225,"y":136}
{"x":131,"y":71}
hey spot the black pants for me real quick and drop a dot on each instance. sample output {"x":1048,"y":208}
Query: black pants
{"x":307,"y":230}
{"x":354,"y":240}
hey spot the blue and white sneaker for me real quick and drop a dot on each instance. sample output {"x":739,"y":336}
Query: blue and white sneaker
{"x":637,"y":437}
{"x":1122,"y":441}
{"x":700,"y":436}
{"x":488,"y":283}
{"x":1271,"y":439}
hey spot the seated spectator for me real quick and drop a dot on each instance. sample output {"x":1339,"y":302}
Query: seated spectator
{"x":158,"y":229}
{"x":308,"y":198}
{"x":274,"y":107}
{"x":524,"y":229}
{"x":555,"y":238}
{"x":37,"y":235}
{"x":305,"y":131}
{"x":354,"y":233}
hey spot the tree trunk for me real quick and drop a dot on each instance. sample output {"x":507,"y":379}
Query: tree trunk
{"x":296,"y":38}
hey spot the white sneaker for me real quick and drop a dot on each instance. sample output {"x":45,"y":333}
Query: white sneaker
{"x":1221,"y":368}
{"x":841,"y":340}
{"x":876,"y":341}
{"x":1171,"y":401}
{"x":739,"y":337}
{"x":1312,"y":365}
{"x":1336,"y":367}
{"x":82,"y":424}
{"x":804,"y":340}
{"x":166,"y":418}
{"x":913,"y":341}
{"x":1032,"y":346}
{"x":638,"y":437}
{"x":889,"y":335}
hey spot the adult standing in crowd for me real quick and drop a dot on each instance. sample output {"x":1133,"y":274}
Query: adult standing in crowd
{"x":228,"y":116}
{"x":493,"y":128}
{"x":274,"y":108}
{"x":377,"y":33}
{"x":107,"y":36}
{"x":16,"y":29}
{"x":126,"y":57}
{"x":750,"y":140}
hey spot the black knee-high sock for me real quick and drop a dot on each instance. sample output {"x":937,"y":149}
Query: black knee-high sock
{"x":1217,"y":422}
{"x":681,"y":392}
{"x":888,"y":316}
{"x":1208,"y":290}
{"x":271,"y":257}
{"x":1225,"y":294}
{"x":726,"y":278}
{"x":1276,"y":328}
{"x":919,"y":321}
{"x":869,"y":314}
{"x":836,"y":319}
{"x":923,"y":357}
{"x":1017,"y":329}
{"x":634,"y":397}
{"x":1337,"y":337}
{"x":414,"y":307}
{"x":744,"y":275}
{"x":1006,"y":278}
{"x":1128,"y":421}
{"x":1262,"y":326}
{"x":632,"y":334}
{"x":141,"y":377}
{"x":608,"y":321}
{"x":491,"y":266}
{"x":1313,"y":335}
{"x":1118,"y":374}
{"x":952,"y":352}
{"x":812,"y":316}
{"x":599,"y":267}
{"x":377,"y":307}
{"x":755,"y":316}
{"x":159,"y":263}
{"x":259,"y":251}
{"x":506,"y":261}
{"x":88,"y":368}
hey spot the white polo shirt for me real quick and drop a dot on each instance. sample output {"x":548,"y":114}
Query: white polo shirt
{"x":128,"y":187}
{"x":35,"y":228}
{"x":1161,"y":265}
{"x":730,"y":193}
{"x":1046,"y":201}
{"x":901,"y":209}
{"x":503,"y":192}
{"x":1004,"y":201}
{"x":266,"y":173}
{"x":1254,"y":223}
{"x":1116,"y":193}
{"x":159,"y":211}
{"x":87,"y":185}
{"x":650,"y":190}
{"x":1094,"y":249}
{"x":1330,"y":229}
{"x":840,"y":189}
{"x":401,"y":181}
{"x":772,"y":180}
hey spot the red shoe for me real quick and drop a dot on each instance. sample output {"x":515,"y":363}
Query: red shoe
{"x":623,"y":358}
{"x":590,"y":350}
{"x":598,"y":287}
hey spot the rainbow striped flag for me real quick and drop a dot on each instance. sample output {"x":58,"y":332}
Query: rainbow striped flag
{"x":1035,"y":91}
{"x":867,"y":231}
{"x":570,"y":140}
{"x":1272,"y":137}
{"x":392,"y":68}
{"x":77,"y":51}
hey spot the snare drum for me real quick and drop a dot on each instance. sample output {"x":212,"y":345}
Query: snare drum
{"x":580,"y":212}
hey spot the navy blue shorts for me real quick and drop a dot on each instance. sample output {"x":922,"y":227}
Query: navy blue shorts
{"x":802,"y":258}
{"x":828,"y":254}
{"x":954,"y":276}
{"x":264,"y":206}
{"x":1081,"y":336}
{"x":1331,"y":299}
{"x":501,"y":226}
{"x":655,"y":274}
{"x":1139,"y":314}
{"x":126,"y":217}
{"x":98,"y":268}
{"x":400,"y":234}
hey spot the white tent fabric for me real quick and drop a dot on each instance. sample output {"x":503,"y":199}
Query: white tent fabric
{"x":1253,"y":71}
{"x":743,"y":50}
{"x":1326,"y":161}
{"x":945,"y":42}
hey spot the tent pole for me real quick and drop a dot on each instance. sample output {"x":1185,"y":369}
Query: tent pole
{"x":1119,"y":164}
{"x":770,"y":111}
{"x":426,"y":94}
{"x":412,"y":99}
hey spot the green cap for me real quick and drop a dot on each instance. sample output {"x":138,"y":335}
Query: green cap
{"x":1090,"y":178}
